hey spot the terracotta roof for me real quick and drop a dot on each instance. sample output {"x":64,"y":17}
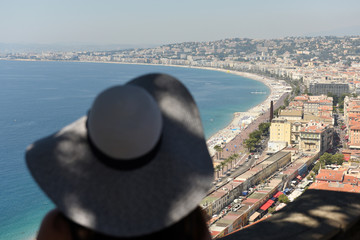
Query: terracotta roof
{"x":350,"y":179}
{"x":325,"y":107}
{"x":330,"y":175}
{"x":354,"y":115}
{"x":354,"y":122}
{"x":315,"y":126}
{"x":301,"y":98}
{"x":355,"y":127}
{"x":296,"y":103}
{"x":339,"y":187}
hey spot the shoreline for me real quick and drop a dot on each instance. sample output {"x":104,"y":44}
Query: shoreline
{"x":240,"y":120}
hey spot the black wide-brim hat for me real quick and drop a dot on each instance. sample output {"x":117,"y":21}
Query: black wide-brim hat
{"x":117,"y":186}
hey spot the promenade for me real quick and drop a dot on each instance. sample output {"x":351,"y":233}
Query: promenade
{"x":229,"y":148}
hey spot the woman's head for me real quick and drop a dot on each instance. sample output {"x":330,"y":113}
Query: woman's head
{"x":137,"y":164}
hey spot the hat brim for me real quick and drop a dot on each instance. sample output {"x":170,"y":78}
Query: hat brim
{"x":136,"y":202}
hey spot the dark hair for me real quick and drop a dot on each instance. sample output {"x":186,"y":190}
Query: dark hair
{"x":191,"y":227}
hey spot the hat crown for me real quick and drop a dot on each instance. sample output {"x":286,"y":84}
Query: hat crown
{"x":125,"y":122}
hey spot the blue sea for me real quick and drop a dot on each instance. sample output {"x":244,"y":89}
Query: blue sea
{"x":38,"y":98}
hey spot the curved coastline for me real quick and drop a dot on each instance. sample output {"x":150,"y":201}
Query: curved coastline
{"x":238,"y":122}
{"x":241,"y":120}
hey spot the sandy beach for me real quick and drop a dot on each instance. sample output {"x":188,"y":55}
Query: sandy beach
{"x":242,"y":120}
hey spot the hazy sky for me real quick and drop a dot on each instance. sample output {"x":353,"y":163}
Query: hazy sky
{"x":168,"y":21}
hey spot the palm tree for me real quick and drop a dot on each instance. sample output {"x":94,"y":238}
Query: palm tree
{"x":235,"y":156}
{"x":218,"y":149}
{"x":222,"y":164}
{"x":230,"y":159}
{"x":217,"y":170}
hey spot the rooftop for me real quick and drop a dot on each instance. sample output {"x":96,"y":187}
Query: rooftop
{"x":330,"y":175}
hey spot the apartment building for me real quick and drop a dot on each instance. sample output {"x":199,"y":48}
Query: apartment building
{"x":324,"y":88}
{"x":316,"y":136}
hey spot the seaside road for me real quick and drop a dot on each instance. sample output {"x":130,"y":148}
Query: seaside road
{"x":238,"y":141}
{"x":243,"y":168}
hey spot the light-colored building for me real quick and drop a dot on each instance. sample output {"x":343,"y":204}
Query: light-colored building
{"x":280,"y":135}
{"x":296,"y":105}
{"x":311,"y":107}
{"x":354,"y":136}
{"x":280,"y":130}
{"x":274,"y":146}
{"x":295,"y":131}
{"x":291,"y":115}
{"x":316,"y":136}
{"x":351,"y":109}
{"x":325,"y":118}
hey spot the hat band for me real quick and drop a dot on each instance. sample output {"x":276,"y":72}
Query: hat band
{"x":123,"y":164}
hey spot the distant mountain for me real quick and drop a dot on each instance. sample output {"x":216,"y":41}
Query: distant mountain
{"x":37,"y":48}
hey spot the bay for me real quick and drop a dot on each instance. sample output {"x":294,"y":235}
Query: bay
{"x":38,"y":98}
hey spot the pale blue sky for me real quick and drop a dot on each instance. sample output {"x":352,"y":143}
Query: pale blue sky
{"x":170,"y":21}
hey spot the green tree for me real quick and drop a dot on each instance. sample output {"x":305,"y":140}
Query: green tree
{"x":250,"y":143}
{"x":230,"y":160}
{"x":284,"y":199}
{"x":264,"y":128}
{"x":312,"y":175}
{"x":217,"y":170}
{"x":327,"y":158}
{"x":256,"y":134}
{"x":338,"y":158}
{"x":218,"y":150}
{"x":222,"y":164}
{"x":234,"y":157}
{"x":317,"y":166}
{"x":271,"y":210}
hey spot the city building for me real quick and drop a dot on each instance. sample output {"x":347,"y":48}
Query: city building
{"x":316,"y":137}
{"x":329,"y":175}
{"x":296,"y":105}
{"x":291,"y":115}
{"x":280,"y":130}
{"x":280,"y":135}
{"x":337,"y":89}
{"x":336,"y":180}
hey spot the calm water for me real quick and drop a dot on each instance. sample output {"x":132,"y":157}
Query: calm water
{"x":38,"y":98}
